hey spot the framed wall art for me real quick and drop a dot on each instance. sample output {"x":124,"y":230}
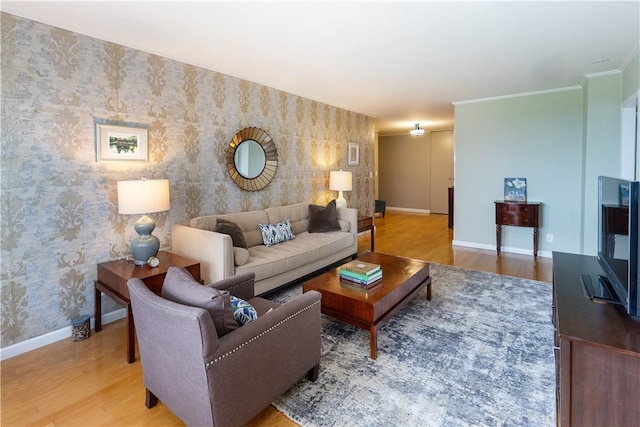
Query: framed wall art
{"x":353,"y":155}
{"x":515,"y":189}
{"x":121,"y":141}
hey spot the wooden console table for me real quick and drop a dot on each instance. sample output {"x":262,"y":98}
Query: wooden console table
{"x":112,"y":281}
{"x":519,"y":214}
{"x":597,"y":351}
{"x":366,"y":223}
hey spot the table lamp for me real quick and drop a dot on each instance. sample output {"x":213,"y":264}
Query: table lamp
{"x":340,"y":181}
{"x":143,"y":197}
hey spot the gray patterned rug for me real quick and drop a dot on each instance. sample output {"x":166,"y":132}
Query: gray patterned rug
{"x":480,"y":353}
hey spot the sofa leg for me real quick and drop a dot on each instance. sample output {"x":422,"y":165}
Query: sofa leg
{"x":151,"y":400}
{"x":312,"y":374}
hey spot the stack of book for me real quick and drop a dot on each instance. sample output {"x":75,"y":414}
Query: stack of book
{"x":361,"y":274}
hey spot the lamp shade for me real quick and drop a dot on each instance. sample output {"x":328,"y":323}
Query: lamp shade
{"x":143,"y":196}
{"x":340,"y":181}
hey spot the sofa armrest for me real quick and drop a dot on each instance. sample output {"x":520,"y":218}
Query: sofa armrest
{"x":350,"y":215}
{"x":240,"y":285}
{"x":213,"y":250}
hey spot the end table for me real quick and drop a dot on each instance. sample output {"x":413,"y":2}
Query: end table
{"x":366,"y":223}
{"x":112,"y":281}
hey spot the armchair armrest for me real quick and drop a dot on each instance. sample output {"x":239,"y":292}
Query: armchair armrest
{"x":240,"y":285}
{"x":256,"y":363}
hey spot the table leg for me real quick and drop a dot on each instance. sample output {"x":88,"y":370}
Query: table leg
{"x":535,"y":241}
{"x":498,"y":237}
{"x":372,"y":239}
{"x":373,"y":341}
{"x":131,"y":338}
{"x":429,"y":291}
{"x":98,"y":309}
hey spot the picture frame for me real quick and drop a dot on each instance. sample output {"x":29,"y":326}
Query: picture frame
{"x":353,"y":158}
{"x":515,"y":189}
{"x":121,"y":141}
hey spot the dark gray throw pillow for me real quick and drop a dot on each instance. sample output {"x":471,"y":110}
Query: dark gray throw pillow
{"x":233,"y":230}
{"x":179,"y":286}
{"x":323,"y":218}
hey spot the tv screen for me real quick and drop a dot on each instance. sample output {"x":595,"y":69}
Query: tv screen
{"x":618,"y":234}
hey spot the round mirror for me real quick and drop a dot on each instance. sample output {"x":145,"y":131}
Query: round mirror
{"x":249,"y":159}
{"x":252,"y":159}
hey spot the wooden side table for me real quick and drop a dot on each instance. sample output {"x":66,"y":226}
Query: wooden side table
{"x":519,"y":214}
{"x":366,"y":223}
{"x":112,"y":281}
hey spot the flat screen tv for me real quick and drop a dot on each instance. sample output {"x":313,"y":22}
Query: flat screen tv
{"x":618,"y":235}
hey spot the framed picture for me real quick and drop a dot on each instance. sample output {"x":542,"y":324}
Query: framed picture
{"x":354,"y":154}
{"x":121,"y":141}
{"x":515,"y":189}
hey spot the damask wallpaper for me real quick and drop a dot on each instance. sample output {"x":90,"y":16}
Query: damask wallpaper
{"x":59,"y":213}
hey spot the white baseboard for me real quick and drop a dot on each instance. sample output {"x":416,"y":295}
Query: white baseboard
{"x":409,"y":210}
{"x":508,"y":249}
{"x":54,"y":336}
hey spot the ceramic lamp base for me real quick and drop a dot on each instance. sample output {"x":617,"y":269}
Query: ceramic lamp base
{"x":144,"y":245}
{"x":341,"y":202}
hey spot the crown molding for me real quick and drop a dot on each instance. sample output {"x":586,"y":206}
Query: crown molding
{"x":517,"y":95}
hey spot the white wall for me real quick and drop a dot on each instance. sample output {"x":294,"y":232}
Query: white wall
{"x":602,"y":121}
{"x":535,"y":136}
{"x":561,"y":141}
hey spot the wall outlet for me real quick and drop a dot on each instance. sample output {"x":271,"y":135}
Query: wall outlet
{"x":549,"y":237}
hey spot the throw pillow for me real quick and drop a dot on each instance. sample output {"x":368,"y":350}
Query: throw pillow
{"x":179,"y":286}
{"x":243,"y":311}
{"x":232,"y":229}
{"x":323,"y":218}
{"x":276,"y":233}
{"x":240,"y":256}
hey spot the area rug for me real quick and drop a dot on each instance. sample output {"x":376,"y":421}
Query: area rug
{"x":480,"y":353}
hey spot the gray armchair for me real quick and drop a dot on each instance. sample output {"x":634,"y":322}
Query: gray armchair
{"x":210,"y":381}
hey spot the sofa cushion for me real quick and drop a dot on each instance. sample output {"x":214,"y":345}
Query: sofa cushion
{"x":323,"y":218}
{"x":305,"y":249}
{"x":232,"y":229}
{"x":273,"y":234}
{"x":297,"y":214}
{"x":243,"y":312}
{"x":247,"y":221}
{"x":179,"y":286}
{"x":240,"y":256}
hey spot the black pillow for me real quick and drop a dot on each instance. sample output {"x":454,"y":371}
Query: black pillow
{"x":323,"y":219}
{"x":232,"y":229}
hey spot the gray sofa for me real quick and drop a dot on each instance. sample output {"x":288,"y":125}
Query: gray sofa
{"x":273,"y":266}
{"x":207,"y":380}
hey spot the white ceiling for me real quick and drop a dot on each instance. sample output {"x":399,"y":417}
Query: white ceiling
{"x":400,"y":62}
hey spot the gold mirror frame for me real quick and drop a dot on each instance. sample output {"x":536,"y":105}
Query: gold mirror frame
{"x":270,"y":153}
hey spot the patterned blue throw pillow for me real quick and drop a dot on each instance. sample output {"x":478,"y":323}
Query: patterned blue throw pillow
{"x":243,"y":312}
{"x":276,"y":233}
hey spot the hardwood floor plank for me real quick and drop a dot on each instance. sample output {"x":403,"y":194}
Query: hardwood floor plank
{"x":90,"y":383}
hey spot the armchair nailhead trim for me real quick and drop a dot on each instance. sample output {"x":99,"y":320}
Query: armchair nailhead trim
{"x":240,"y":284}
{"x":217,"y":359}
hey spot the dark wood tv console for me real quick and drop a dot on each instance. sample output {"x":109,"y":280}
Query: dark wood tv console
{"x":597,"y":351}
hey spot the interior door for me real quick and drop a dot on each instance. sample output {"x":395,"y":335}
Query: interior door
{"x":441,"y":170}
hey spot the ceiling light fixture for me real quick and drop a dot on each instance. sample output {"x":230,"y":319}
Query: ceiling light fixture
{"x":417,"y":131}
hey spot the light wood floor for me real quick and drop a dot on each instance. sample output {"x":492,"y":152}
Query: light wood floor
{"x":89,"y":383}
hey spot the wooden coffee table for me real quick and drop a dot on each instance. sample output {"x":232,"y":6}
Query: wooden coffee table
{"x":402,"y":279}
